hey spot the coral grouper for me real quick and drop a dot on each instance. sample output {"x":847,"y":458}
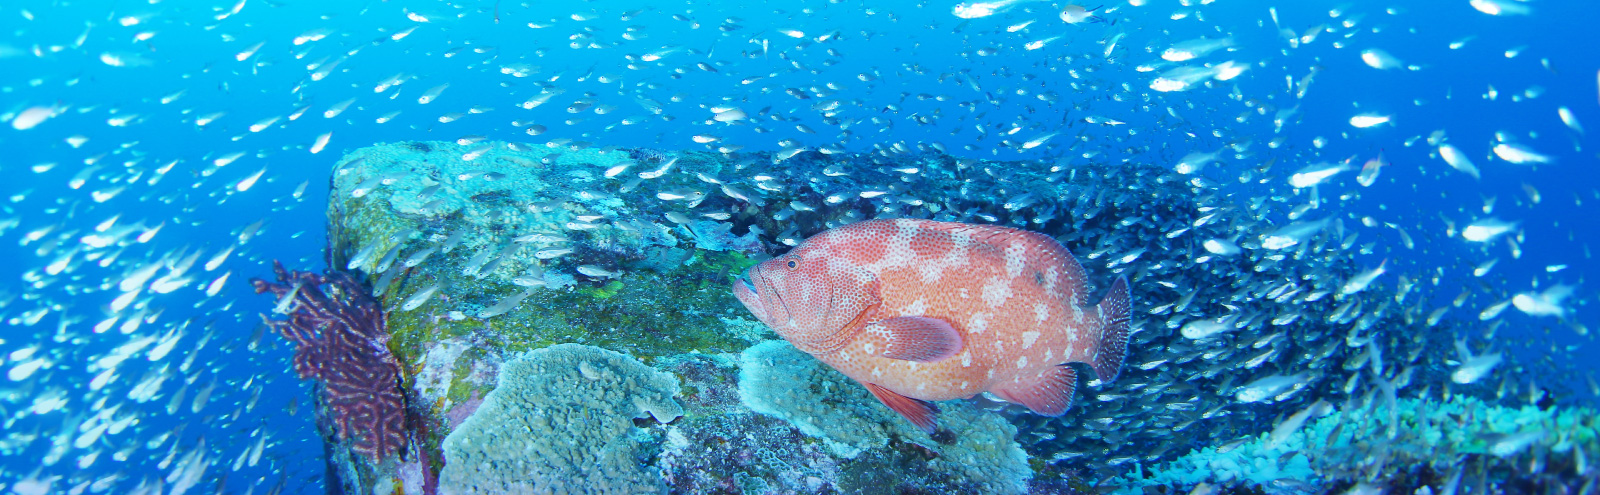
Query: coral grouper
{"x":918,"y":310}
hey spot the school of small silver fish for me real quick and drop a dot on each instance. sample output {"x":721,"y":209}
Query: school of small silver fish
{"x":1289,"y":181}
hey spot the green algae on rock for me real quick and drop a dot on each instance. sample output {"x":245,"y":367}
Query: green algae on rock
{"x":525,"y":241}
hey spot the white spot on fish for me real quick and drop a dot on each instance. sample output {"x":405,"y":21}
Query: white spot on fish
{"x":966,"y":359}
{"x":897,"y":252}
{"x":916,"y":308}
{"x":996,"y":291}
{"x":876,"y":371}
{"x":868,"y":348}
{"x":954,"y":258}
{"x":1041,"y":312}
{"x":978,"y":324}
{"x":1022,"y":361}
{"x":1028,"y":338}
{"x":1014,"y":259}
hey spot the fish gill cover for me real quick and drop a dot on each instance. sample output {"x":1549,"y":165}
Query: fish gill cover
{"x":1357,"y":236}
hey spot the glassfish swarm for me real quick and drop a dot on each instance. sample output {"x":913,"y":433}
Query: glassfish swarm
{"x":922,"y":310}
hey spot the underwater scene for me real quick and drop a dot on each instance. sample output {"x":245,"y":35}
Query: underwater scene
{"x":799,"y":247}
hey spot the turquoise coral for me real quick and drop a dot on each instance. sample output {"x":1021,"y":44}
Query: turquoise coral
{"x":778,"y":380}
{"x":1356,"y":444}
{"x":561,"y":421}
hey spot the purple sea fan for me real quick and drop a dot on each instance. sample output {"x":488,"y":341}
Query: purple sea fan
{"x":339,"y":337}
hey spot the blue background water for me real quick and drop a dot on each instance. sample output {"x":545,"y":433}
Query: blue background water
{"x":912,"y":48}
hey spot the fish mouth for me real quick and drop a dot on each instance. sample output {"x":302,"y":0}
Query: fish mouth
{"x":744,"y":289}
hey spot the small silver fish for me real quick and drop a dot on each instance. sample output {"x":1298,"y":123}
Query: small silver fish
{"x":598,"y":272}
{"x":420,"y":256}
{"x":419,"y":298}
{"x":505,"y":305}
{"x":1270,"y":387}
{"x":552,"y":252}
{"x":286,"y":303}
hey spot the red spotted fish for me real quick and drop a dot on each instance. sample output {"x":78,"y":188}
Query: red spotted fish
{"x":919,"y":310}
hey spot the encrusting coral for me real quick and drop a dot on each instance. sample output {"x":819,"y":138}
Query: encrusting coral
{"x":976,"y":448}
{"x":561,"y":420}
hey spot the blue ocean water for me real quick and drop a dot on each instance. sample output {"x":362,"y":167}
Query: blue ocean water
{"x":174,"y":131}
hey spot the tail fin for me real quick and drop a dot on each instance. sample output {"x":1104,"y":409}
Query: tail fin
{"x":1113,"y":346}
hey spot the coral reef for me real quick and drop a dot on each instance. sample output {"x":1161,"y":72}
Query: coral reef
{"x":780,"y":381}
{"x":340,"y":341}
{"x":745,"y":453}
{"x":976,"y":451}
{"x":710,"y":382}
{"x":1386,"y":444}
{"x":485,"y":250}
{"x":523,"y":247}
{"x":561,"y":420}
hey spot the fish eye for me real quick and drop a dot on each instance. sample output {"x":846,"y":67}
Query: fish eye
{"x":794,"y":264}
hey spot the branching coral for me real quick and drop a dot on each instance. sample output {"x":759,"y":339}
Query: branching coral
{"x":340,"y":340}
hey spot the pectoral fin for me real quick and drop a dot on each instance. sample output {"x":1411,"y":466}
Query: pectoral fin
{"x":917,"y":338}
